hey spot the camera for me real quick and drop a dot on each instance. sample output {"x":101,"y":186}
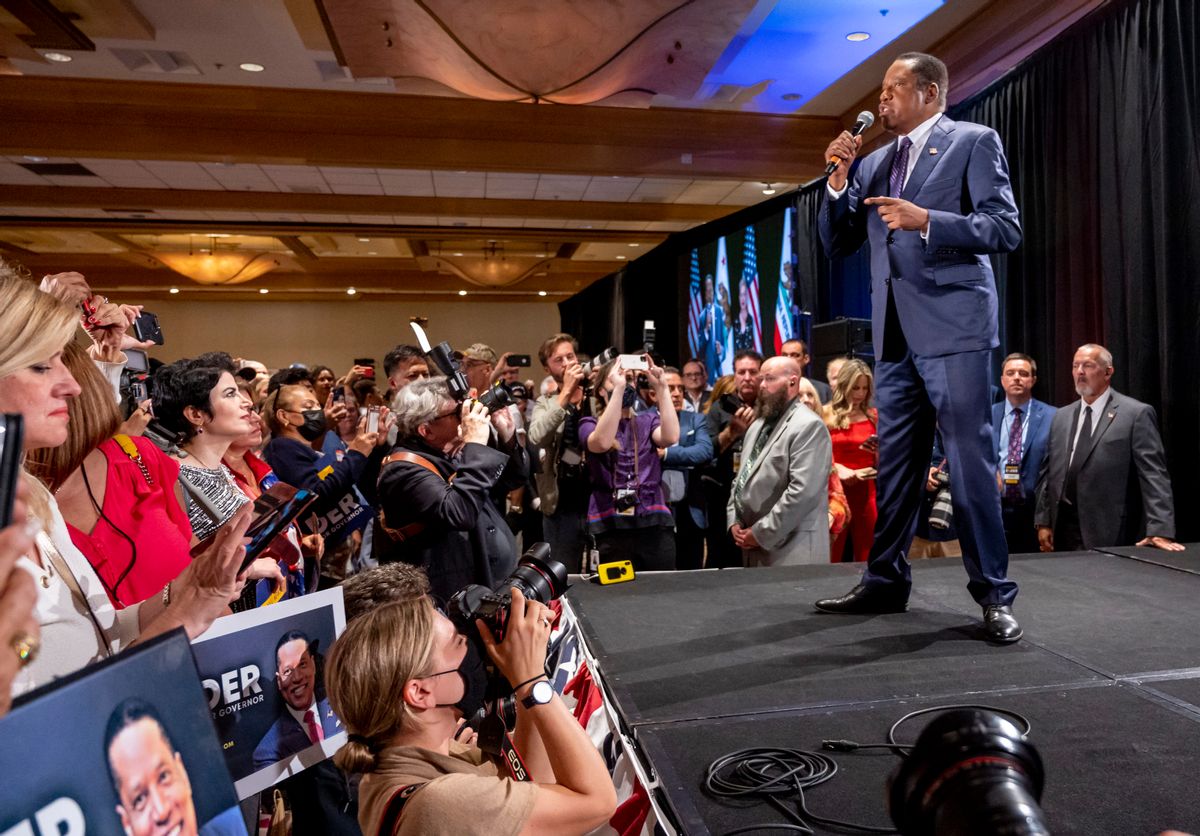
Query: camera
{"x":537,"y":576}
{"x":941,"y":515}
{"x":598,"y":362}
{"x":442,"y":356}
{"x":624,"y":500}
{"x":970,"y":772}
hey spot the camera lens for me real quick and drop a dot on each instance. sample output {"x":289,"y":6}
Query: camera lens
{"x":970,"y":772}
{"x":537,"y":576}
{"x":496,"y":398}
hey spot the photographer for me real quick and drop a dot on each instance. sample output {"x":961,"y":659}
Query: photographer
{"x":434,"y":489}
{"x":401,"y":678}
{"x":627,"y":511}
{"x":561,"y":481}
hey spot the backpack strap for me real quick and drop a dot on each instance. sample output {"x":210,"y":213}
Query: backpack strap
{"x":395,"y":806}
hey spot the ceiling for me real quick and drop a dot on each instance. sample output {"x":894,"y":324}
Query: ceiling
{"x":495,"y":148}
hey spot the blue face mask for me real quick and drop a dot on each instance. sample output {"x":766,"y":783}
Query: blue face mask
{"x":628,"y":398}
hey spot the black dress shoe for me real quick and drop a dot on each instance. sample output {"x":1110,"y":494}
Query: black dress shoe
{"x":863,"y":599}
{"x":999,"y":625}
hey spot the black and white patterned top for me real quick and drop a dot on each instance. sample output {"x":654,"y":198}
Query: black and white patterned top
{"x":219,"y":491}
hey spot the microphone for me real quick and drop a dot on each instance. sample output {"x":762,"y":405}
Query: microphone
{"x":865,"y":120}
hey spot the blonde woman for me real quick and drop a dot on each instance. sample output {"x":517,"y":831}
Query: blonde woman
{"x":77,"y":622}
{"x":401,"y":678}
{"x":852,"y":422}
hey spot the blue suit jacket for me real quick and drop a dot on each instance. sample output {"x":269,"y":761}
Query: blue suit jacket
{"x":1037,"y":442}
{"x":694,"y":450}
{"x":944,"y":289}
{"x":286,"y":737}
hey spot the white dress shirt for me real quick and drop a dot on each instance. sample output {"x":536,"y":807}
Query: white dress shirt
{"x":1098,"y":406}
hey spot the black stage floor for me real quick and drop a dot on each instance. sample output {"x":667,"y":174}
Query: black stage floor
{"x":699,"y":664}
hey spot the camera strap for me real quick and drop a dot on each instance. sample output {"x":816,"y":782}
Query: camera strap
{"x":407,"y":532}
{"x":390,"y":819}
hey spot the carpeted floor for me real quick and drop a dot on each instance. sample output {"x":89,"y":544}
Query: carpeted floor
{"x":703,"y":663}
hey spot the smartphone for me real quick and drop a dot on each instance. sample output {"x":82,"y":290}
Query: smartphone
{"x":339,"y":394}
{"x":146,"y":327}
{"x":12,"y":433}
{"x":372,"y":419}
{"x":369,"y":362}
{"x":866,"y":473}
{"x":136,"y":361}
{"x":275,"y":509}
{"x":633,"y":361}
{"x":518,"y":360}
{"x":871,"y":443}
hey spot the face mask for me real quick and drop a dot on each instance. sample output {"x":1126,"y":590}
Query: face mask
{"x":628,"y":398}
{"x":314,"y":424}
{"x":474,"y":677}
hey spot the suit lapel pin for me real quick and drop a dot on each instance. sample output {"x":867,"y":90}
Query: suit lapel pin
{"x":1112,"y":415}
{"x":932,"y":151}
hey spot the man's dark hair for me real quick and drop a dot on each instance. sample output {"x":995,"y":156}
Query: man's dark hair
{"x":929,"y":70}
{"x":403,"y":353}
{"x":123,"y":716}
{"x":383,"y":585}
{"x":291,"y":636}
{"x":291,"y":376}
{"x":748,"y":353}
{"x":179,"y":385}
{"x":547,"y":347}
{"x":1016,"y":355}
{"x":803,"y":344}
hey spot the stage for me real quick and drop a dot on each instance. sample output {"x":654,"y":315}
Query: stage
{"x":700,"y":664}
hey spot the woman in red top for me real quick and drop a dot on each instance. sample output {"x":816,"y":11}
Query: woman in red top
{"x":852,"y":421}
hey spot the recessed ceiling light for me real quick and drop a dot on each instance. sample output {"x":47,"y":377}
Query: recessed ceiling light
{"x":263,"y":291}
{"x":858,"y":36}
{"x":36,"y":159}
{"x":458,"y":253}
{"x":371,"y":252}
{"x":620,"y":258}
{"x":364,"y":240}
{"x":350,"y":291}
{"x":174,"y":290}
{"x":57,"y":57}
{"x":635,"y":245}
{"x":541,"y":293}
{"x":462,"y":293}
{"x":251,"y":67}
{"x":217,"y":235}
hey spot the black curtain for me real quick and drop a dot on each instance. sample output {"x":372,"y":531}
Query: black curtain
{"x":1102,"y":133}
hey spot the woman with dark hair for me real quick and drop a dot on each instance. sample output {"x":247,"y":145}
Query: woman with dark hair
{"x":323,"y":380}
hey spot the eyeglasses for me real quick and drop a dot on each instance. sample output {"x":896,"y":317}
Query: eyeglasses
{"x":442,"y":415}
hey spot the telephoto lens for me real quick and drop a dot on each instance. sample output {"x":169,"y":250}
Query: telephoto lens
{"x":971,"y":773}
{"x":537,"y":576}
{"x":941,"y":513}
{"x":496,"y":398}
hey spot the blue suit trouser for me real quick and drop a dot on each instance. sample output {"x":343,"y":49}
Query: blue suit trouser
{"x":914,"y":396}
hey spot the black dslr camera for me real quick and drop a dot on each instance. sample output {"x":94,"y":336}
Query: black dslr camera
{"x":442,"y":356}
{"x":537,"y":576}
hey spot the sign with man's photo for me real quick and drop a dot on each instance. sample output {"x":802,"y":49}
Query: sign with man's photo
{"x":122,"y":748}
{"x":263,"y":674}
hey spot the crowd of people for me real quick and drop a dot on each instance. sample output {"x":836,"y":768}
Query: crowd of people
{"x":130,"y":513}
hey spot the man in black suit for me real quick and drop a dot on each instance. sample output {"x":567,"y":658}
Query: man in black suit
{"x":1105,"y":481}
{"x":307,"y":718}
{"x":798,"y":351}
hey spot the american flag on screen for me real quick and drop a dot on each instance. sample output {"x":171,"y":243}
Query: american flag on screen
{"x":785,"y":323}
{"x":750,"y":279}
{"x":695,"y":305}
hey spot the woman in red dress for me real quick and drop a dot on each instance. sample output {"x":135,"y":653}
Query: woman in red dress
{"x":852,"y":421}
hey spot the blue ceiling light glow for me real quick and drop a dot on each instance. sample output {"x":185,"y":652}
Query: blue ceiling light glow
{"x":803,"y":47}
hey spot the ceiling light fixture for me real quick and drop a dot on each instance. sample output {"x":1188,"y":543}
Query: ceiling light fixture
{"x":541,"y":293}
{"x":251,"y":67}
{"x":621,"y":258}
{"x":458,"y":254}
{"x":216,"y":235}
{"x":462,"y":293}
{"x":350,"y":291}
{"x":229,"y":267}
{"x":58,"y":57}
{"x":635,"y":245}
{"x":858,"y":36}
{"x":768,"y":188}
{"x":364,"y":240}
{"x":174,"y":290}
{"x":35,"y":159}
{"x":372,"y":252}
{"x":263,"y":291}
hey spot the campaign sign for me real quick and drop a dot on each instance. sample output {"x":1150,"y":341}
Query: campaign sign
{"x":263,"y":674}
{"x":125,"y":746}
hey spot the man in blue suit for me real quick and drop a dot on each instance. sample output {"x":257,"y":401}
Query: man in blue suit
{"x":1021,"y":437}
{"x":306,"y":718}
{"x":681,"y":482}
{"x":933,"y":205}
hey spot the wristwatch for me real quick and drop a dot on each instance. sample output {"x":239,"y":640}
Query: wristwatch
{"x":540,"y":694}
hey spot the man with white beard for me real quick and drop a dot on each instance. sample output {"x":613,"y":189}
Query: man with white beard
{"x":779,"y":506}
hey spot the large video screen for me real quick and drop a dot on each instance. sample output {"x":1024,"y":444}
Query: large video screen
{"x":742,"y":293}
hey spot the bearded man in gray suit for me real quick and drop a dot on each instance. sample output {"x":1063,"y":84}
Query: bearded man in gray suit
{"x":779,"y":505}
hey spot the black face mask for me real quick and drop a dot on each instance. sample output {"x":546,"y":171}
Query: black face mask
{"x":314,"y":424}
{"x":628,"y":398}
{"x":474,"y":676}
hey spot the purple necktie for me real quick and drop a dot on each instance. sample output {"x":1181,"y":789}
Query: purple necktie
{"x":1014,"y":452}
{"x":899,"y":168}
